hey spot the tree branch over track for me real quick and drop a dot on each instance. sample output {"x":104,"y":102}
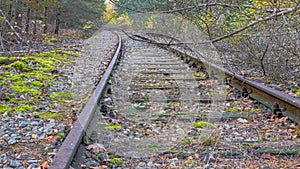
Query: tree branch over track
{"x":199,"y":6}
{"x":289,"y":10}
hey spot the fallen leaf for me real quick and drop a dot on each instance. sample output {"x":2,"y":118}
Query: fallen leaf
{"x":96,"y":148}
{"x":45,"y":165}
{"x":51,"y":139}
{"x":266,"y":156}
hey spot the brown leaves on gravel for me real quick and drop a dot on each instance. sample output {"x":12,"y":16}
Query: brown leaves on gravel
{"x":96,"y":148}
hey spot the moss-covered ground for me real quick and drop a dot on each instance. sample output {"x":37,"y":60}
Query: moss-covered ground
{"x":25,"y":81}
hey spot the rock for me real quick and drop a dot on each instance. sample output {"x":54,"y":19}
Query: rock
{"x":23,"y":124}
{"x":12,"y":141}
{"x":141,"y":165}
{"x":33,"y":166}
{"x":92,"y":163}
{"x":33,"y":161}
{"x":148,"y":132}
{"x":150,"y":165}
{"x":23,"y":156}
{"x":49,"y":126}
{"x":15,"y":163}
{"x":104,"y":157}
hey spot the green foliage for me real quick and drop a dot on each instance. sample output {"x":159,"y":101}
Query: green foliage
{"x":203,"y":124}
{"x":298,"y":93}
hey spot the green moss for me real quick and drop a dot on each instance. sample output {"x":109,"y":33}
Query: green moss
{"x":203,"y":124}
{"x":5,"y":61}
{"x":199,"y":75}
{"x":4,"y":108}
{"x":298,"y":93}
{"x":61,"y":95}
{"x":37,"y":84}
{"x":61,"y":135}
{"x":232,"y":110}
{"x":18,"y":65}
{"x":113,"y":127}
{"x":115,"y":161}
{"x":248,"y":144}
{"x":25,"y":90}
{"x":48,"y":115}
{"x":23,"y":109}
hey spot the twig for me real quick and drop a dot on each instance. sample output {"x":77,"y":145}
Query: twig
{"x":13,"y":29}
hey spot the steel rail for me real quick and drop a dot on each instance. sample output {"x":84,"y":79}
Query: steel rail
{"x":264,"y":94}
{"x":63,"y":157}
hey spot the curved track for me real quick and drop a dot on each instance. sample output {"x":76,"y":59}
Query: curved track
{"x":146,"y":105}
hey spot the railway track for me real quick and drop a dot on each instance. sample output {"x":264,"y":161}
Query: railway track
{"x":159,"y":109}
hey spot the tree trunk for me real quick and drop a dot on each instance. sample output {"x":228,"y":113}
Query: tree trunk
{"x":35,"y":18}
{"x":18,"y":15}
{"x":57,"y":22}
{"x":9,"y":14}
{"x":27,"y":20}
{"x":45,"y":19}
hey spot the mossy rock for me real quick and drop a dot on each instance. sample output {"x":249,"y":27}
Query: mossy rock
{"x":203,"y":124}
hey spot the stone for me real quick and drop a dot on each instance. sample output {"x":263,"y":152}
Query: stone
{"x":15,"y":163}
{"x":23,"y":156}
{"x":12,"y":141}
{"x":23,"y":124}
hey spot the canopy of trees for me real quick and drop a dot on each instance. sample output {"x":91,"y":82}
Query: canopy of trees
{"x":20,"y":19}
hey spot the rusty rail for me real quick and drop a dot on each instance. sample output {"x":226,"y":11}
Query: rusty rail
{"x":259,"y":92}
{"x":69,"y":147}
